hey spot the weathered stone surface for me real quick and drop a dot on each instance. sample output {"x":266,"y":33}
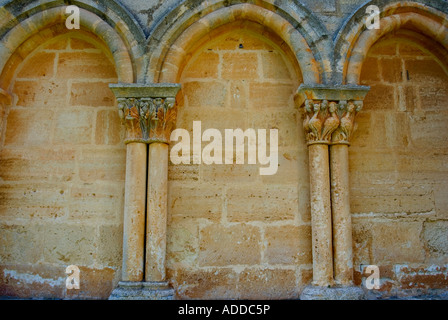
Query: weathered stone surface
{"x":206,"y":66}
{"x":56,"y":209}
{"x":436,"y":237}
{"x":263,"y":283}
{"x":156,"y":212}
{"x":94,"y":94}
{"x":155,"y":90}
{"x":142,"y":291}
{"x":406,"y":134}
{"x":335,"y":293}
{"x":263,"y":204}
{"x":196,"y":201}
{"x":238,"y":66}
{"x":235,"y":245}
{"x":134,"y":215}
{"x":230,"y":233}
{"x":211,"y":283}
{"x":205,"y":93}
{"x":288,"y":245}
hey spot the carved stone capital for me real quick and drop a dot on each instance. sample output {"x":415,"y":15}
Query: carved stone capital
{"x":347,"y":113}
{"x":329,"y":112}
{"x":147,"y":111}
{"x":320,"y":121}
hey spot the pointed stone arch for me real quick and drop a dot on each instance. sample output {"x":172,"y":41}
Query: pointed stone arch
{"x":304,"y":35}
{"x":40,"y":21}
{"x":354,"y":40}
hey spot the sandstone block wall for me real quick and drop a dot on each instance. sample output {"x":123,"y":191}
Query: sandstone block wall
{"x":233,"y":233}
{"x":397,"y":168}
{"x":62,"y":167}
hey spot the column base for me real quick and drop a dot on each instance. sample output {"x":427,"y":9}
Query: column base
{"x":332,"y":293}
{"x":142,"y":291}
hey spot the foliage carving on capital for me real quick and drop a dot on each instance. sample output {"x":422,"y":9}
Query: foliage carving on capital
{"x":147,"y":119}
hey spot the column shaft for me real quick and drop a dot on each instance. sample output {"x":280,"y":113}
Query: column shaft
{"x":156,"y":212}
{"x":342,"y":226}
{"x":321,"y":215}
{"x":134,"y":212}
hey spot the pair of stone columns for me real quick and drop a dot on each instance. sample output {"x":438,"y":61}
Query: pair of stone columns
{"x":149,"y":116}
{"x":329,"y":121}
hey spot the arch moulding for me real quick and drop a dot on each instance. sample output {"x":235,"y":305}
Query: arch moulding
{"x":354,"y":41}
{"x":165,"y":68}
{"x":46,"y":22}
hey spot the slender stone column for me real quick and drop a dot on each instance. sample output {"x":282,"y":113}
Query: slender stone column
{"x":340,"y":194}
{"x":135,"y":191}
{"x":162,"y":123}
{"x":342,"y":227}
{"x":157,"y":212}
{"x":326,"y":122}
{"x":319,"y":124}
{"x":149,"y":115}
{"x":320,"y":215}
{"x":134,"y":212}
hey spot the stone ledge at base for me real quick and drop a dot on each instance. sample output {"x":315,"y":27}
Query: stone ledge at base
{"x":142,"y":291}
{"x":332,"y":293}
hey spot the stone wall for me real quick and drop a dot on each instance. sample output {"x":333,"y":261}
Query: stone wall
{"x":62,"y":166}
{"x":397,"y":163}
{"x":231,"y":233}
